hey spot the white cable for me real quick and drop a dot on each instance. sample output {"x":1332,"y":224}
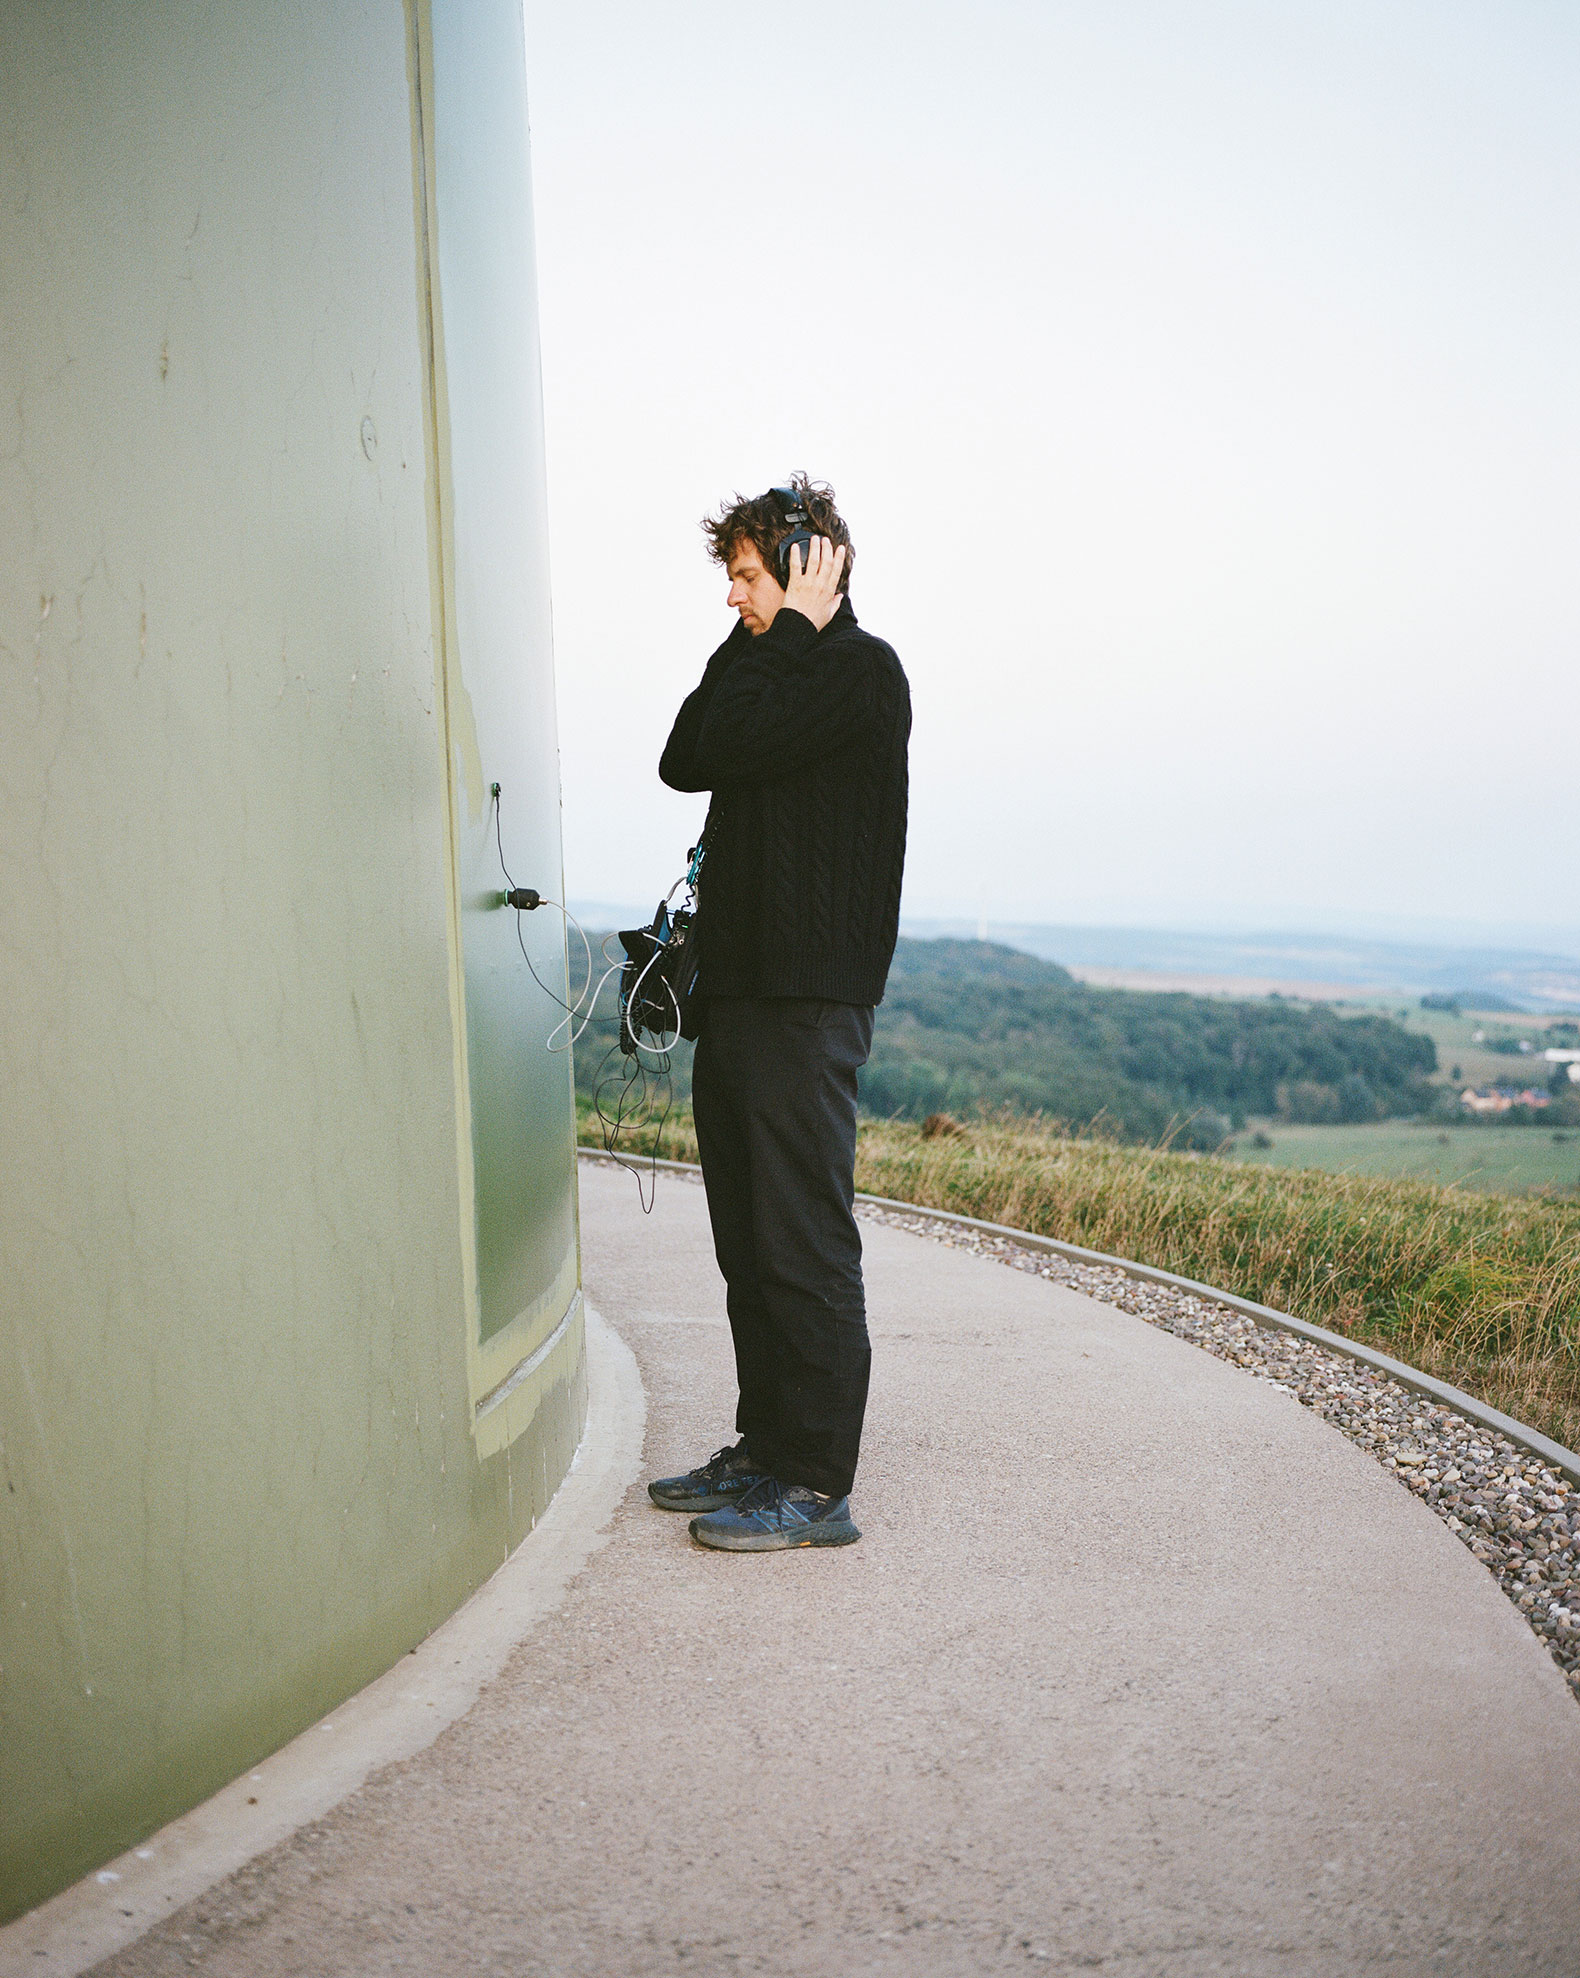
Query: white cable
{"x":614,"y":964}
{"x":663,"y":1049}
{"x":581,"y":1004}
{"x":658,"y":1050}
{"x":586,"y":1018}
{"x":575,"y":1008}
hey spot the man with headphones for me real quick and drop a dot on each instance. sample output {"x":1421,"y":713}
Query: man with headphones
{"x":799,"y":729}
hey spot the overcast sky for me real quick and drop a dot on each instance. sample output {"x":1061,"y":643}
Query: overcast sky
{"x":1199,"y":380}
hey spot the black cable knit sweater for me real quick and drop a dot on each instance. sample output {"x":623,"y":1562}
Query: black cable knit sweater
{"x":801,"y":736}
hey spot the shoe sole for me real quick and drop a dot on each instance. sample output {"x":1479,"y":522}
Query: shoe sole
{"x":716,"y":1502}
{"x":822,"y":1533}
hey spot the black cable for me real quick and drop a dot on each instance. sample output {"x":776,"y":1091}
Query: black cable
{"x":630,"y":1115}
{"x":571,"y":1012}
{"x":635,"y":1070}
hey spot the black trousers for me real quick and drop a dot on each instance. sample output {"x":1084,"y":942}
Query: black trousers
{"x":773,"y":1092}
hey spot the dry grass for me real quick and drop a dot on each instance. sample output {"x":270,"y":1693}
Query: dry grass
{"x":1480,"y":1290}
{"x":671,"y":1138}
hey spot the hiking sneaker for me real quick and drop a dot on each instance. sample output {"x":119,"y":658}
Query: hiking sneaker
{"x":774,"y":1517}
{"x":726,"y":1476}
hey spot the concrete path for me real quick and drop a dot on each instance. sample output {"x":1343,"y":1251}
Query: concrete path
{"x":1138,"y":1669}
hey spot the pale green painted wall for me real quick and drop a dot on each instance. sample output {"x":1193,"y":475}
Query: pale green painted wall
{"x":257,"y":564}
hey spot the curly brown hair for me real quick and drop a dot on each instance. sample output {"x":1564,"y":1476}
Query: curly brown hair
{"x":760,"y":521}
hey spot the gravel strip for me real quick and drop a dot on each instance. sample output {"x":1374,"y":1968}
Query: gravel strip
{"x":1520,"y":1518}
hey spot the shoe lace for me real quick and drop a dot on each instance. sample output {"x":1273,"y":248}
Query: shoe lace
{"x":719,"y":1462}
{"x":765,"y":1495}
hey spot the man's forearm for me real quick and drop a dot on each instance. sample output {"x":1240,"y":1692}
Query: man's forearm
{"x":677,"y":766}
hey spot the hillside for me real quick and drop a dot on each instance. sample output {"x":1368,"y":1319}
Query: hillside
{"x":970,"y":1023}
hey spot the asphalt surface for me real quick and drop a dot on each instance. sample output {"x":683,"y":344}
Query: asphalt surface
{"x":1139,"y":1668}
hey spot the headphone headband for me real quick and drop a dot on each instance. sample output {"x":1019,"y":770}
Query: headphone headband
{"x":790,"y":505}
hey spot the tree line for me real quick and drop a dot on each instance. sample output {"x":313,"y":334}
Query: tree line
{"x":971,"y":1024}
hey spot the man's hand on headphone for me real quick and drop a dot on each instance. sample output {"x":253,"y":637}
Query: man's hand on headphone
{"x":814,"y":590}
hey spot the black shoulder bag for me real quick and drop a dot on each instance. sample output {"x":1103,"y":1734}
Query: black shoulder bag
{"x":658,"y":984}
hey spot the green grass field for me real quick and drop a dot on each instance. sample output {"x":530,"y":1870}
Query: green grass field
{"x":1455,"y":1038}
{"x":1512,"y":1160}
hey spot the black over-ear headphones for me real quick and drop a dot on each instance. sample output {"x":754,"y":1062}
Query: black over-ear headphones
{"x":802,"y":532}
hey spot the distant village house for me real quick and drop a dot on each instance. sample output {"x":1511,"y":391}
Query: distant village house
{"x":1503,"y":1098}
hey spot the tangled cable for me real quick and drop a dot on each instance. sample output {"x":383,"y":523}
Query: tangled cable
{"x":656,"y":969}
{"x":572,"y":1010}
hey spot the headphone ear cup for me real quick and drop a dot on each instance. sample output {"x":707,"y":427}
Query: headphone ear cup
{"x":782,"y":555}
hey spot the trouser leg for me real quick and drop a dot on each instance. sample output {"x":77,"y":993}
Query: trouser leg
{"x":725,"y":1149}
{"x":778,"y":1086}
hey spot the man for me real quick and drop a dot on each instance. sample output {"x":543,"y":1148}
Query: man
{"x":799,"y":729}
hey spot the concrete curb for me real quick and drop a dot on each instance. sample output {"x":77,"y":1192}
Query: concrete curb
{"x":1554,"y":1453}
{"x":396,"y":1716}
